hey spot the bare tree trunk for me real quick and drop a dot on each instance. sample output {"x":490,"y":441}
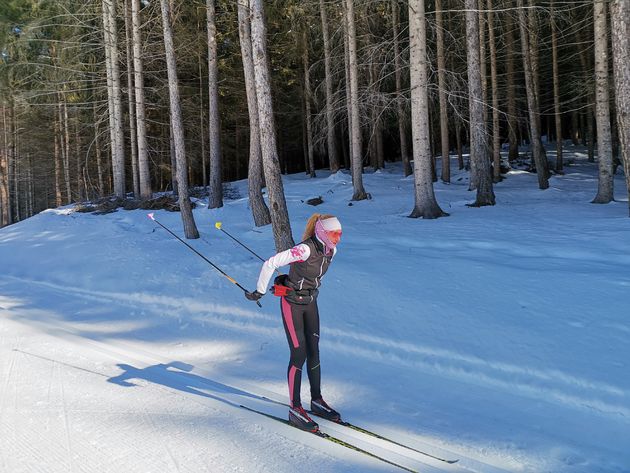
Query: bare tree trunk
{"x":333,"y":157}
{"x":66,"y":141}
{"x":173,"y":156}
{"x":374,"y":112}
{"x":400,"y":111}
{"x":177,"y":126}
{"x":271,"y":165}
{"x":58,"y":159}
{"x":355,"y":132}
{"x":5,"y":202}
{"x":575,"y":127}
{"x":133,"y":135}
{"x":620,"y":28}
{"x":260,"y":211}
{"x":29,"y":186}
{"x":310,"y":168}
{"x":346,"y":50}
{"x":380,"y":148}
{"x":556,"y":88}
{"x":458,"y":140}
{"x":512,"y":117}
{"x":479,"y":156}
{"x":215,"y":198}
{"x":494,"y":82}
{"x":144,"y":175}
{"x":10,"y":159}
{"x":589,"y":109}
{"x":97,"y":148}
{"x":114,"y":90}
{"x":532,"y":103}
{"x":534,"y":46}
{"x":483,"y":58}
{"x":604,"y":140}
{"x":426,"y":205}
{"x":202,"y":132}
{"x":16,"y":173}
{"x":441,"y":64}
{"x":77,"y":142}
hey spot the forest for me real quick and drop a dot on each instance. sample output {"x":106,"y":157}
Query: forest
{"x":124,"y":100}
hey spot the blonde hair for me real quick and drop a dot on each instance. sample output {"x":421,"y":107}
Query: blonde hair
{"x":309,"y":231}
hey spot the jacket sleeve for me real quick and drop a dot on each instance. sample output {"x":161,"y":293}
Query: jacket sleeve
{"x":296,"y":254}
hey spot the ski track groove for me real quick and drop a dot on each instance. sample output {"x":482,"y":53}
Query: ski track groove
{"x":7,"y":380}
{"x":66,"y":421}
{"x":155,"y":428}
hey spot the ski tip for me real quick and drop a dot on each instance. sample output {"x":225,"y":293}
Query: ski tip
{"x":218,"y":225}
{"x":150,"y":216}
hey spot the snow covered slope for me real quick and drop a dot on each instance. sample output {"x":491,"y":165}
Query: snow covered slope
{"x":499,"y":335}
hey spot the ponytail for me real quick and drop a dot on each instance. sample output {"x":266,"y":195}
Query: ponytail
{"x":309,"y":231}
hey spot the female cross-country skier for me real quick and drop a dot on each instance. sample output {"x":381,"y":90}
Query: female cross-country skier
{"x":298,"y":291}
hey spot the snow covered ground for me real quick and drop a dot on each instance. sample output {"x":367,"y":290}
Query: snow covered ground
{"x":498,"y":335}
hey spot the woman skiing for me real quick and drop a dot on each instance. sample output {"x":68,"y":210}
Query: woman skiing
{"x":298,"y":291}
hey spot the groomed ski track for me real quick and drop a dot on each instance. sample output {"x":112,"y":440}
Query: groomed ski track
{"x":111,"y":406}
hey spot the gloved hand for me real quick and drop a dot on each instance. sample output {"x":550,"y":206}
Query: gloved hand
{"x":253,"y":296}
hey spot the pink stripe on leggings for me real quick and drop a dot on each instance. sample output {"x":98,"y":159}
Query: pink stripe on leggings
{"x":288,"y":318}
{"x":292,"y":371}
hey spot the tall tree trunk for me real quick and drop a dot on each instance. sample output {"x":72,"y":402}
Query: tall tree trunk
{"x":374,"y":117}
{"x":114,"y":90}
{"x":66,"y":141}
{"x":426,"y":205}
{"x":202,"y":132}
{"x":483,"y":57}
{"x":355,"y":132}
{"x":532,"y":103}
{"x":459,"y":145}
{"x":333,"y":157}
{"x":14,"y":164}
{"x":11,"y":156}
{"x":494,"y":82}
{"x":77,"y":142}
{"x":133,"y":134}
{"x":97,"y":148}
{"x":400,"y":111}
{"x":260,"y":211}
{"x":620,"y":28}
{"x":29,"y":186}
{"x":604,"y":140}
{"x":177,"y":126}
{"x":479,"y":156}
{"x":556,"y":88}
{"x":271,"y":165}
{"x":215,"y":198}
{"x":5,"y":202}
{"x":58,"y":159}
{"x":589,"y":109}
{"x":144,"y":175}
{"x":534,"y":45}
{"x":346,"y":50}
{"x":512,"y":117}
{"x":441,"y":64}
{"x":310,"y":168}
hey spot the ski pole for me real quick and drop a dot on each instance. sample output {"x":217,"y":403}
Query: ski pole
{"x":218,"y":225}
{"x":232,"y":280}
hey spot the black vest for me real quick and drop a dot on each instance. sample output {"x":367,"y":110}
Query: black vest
{"x":305,"y":276}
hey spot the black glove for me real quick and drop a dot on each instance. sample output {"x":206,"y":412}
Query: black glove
{"x":253,"y":296}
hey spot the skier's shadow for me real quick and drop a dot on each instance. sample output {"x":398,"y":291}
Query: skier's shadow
{"x":176,"y":375}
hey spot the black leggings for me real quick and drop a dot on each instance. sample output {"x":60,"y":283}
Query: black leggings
{"x":301,"y":324}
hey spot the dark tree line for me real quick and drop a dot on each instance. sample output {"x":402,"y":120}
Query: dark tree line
{"x":125,"y":98}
